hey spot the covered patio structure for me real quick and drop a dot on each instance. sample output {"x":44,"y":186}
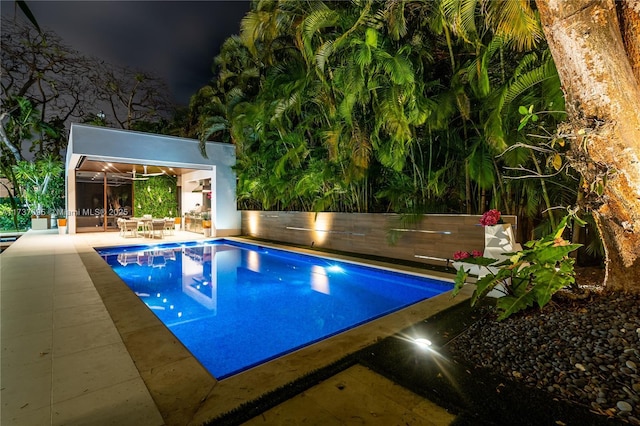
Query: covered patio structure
{"x":102,"y":165}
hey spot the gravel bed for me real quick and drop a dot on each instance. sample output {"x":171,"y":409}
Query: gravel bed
{"x":587,"y":352}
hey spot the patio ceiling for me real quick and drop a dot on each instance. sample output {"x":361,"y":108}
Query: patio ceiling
{"x":96,"y":165}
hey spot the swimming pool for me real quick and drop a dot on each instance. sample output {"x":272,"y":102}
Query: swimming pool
{"x":236,"y":305}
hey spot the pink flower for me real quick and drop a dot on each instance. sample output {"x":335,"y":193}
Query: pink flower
{"x":476,"y":253}
{"x":490,"y":218}
{"x":459,"y":255}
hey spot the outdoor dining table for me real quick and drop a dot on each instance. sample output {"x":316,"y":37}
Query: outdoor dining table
{"x":144,"y":224}
{"x":147,"y":225}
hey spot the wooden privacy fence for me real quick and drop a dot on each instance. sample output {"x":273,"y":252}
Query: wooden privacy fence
{"x":428,"y":239}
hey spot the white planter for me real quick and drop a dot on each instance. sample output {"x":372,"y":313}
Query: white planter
{"x":40,"y":223}
{"x":498,"y":239}
{"x":480,"y":271}
{"x":62,"y":230}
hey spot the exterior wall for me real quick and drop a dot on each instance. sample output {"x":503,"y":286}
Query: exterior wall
{"x":432,"y":240}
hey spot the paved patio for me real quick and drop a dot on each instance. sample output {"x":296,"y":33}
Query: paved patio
{"x":79,"y":348}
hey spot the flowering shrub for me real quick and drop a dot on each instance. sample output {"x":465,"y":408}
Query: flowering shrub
{"x":490,"y":218}
{"x":529,"y":276}
{"x":460,"y":255}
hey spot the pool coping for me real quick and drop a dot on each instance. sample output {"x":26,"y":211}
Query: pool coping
{"x":186,"y":393}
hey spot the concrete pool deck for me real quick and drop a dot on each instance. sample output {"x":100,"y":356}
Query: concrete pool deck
{"x":78,"y":347}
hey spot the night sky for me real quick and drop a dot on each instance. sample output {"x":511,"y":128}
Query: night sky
{"x":175,"y":40}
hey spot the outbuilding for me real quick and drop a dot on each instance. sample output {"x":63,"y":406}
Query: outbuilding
{"x":116,"y":174}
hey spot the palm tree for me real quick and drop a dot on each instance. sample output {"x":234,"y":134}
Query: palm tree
{"x":337,"y":105}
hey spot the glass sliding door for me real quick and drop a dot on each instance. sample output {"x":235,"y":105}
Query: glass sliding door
{"x":119,"y":200}
{"x":89,"y":201}
{"x":101,"y":198}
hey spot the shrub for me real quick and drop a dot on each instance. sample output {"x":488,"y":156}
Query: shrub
{"x":529,"y":276}
{"x":6,"y":217}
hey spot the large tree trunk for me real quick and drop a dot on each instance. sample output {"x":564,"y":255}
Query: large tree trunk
{"x":603,"y":106}
{"x":629,"y":16}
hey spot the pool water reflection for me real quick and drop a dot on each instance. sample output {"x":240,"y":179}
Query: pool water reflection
{"x":236,"y":305}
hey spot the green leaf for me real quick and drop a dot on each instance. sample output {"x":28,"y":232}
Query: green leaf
{"x":481,"y":168}
{"x":550,"y":280}
{"x":371,"y":37}
{"x":459,"y":281}
{"x":553,"y":254}
{"x":482,"y":261}
{"x":509,"y":305}
{"x":523,"y":123}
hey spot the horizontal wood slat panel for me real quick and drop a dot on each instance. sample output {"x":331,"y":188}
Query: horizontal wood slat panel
{"x":434,"y":236}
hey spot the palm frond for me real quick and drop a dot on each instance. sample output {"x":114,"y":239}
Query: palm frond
{"x":481,"y":168}
{"x":397,"y":67}
{"x":516,"y":21}
{"x":461,"y":15}
{"x":345,"y":108}
{"x":395,"y":19}
{"x":283,"y":105}
{"x":313,"y":23}
{"x":363,"y":56}
{"x":323,"y":53}
{"x":527,"y":80}
{"x":331,"y":139}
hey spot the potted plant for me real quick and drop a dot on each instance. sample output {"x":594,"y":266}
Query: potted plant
{"x":528,"y":276}
{"x":42,"y":187}
{"x":62,"y":223}
{"x":498,"y":236}
{"x":460,"y":260}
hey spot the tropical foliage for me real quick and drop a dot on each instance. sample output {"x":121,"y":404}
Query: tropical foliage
{"x":46,"y":84}
{"x":403,"y":106}
{"x":12,"y":218}
{"x":41,"y":184}
{"x":156,"y":196}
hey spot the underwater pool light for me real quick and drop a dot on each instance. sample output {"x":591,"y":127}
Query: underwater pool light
{"x":335,"y":268}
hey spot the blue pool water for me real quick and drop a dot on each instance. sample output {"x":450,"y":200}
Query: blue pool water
{"x":236,"y":305}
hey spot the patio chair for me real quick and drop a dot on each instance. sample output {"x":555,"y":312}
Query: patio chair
{"x":129,"y":226}
{"x":156,"y":225}
{"x":169,"y":225}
